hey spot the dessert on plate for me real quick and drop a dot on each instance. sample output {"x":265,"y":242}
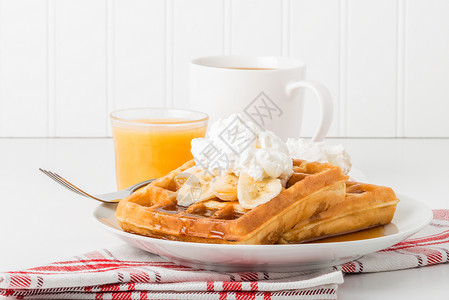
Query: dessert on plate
{"x":246,"y":186}
{"x":154,"y":211}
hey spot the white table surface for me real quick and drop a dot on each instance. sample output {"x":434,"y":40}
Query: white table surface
{"x":42,"y":222}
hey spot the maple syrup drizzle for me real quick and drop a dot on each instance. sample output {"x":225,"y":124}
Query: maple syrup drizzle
{"x":366,"y":234}
{"x":171,"y":208}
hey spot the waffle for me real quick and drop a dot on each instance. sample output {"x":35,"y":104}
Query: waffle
{"x":153,"y":210}
{"x":364,"y":206}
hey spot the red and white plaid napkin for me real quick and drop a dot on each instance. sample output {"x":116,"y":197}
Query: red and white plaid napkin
{"x":129,"y":273}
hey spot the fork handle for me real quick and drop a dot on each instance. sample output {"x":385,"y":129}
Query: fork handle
{"x":138,"y":185}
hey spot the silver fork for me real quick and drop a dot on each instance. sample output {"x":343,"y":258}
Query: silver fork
{"x":113,"y":197}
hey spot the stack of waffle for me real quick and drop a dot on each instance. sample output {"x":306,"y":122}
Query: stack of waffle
{"x":317,"y":202}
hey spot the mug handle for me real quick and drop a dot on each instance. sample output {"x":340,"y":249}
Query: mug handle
{"x":324,"y":98}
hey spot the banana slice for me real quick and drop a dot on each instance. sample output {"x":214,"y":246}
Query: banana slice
{"x":225,"y":187}
{"x":253,"y":193}
{"x":181,"y":178}
{"x":196,"y":188}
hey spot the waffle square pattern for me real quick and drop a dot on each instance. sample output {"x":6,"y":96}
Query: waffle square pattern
{"x":318,"y":201}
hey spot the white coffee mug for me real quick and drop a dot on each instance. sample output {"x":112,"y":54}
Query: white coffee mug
{"x":266,"y":90}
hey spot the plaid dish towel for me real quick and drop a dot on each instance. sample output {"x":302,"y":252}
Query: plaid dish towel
{"x":129,"y":273}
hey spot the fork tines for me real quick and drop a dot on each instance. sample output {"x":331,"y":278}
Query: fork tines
{"x":57,"y":178}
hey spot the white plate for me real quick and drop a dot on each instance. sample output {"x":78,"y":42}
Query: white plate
{"x":410,"y":217}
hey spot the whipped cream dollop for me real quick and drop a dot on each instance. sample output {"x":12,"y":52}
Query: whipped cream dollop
{"x":235,"y":145}
{"x":320,"y":152}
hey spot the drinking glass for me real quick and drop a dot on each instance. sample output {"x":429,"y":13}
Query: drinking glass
{"x":150,"y":142}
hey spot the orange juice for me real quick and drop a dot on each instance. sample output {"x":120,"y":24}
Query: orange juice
{"x":150,"y":148}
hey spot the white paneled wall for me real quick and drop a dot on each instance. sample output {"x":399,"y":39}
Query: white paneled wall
{"x":371,"y":77}
{"x":65,"y":64}
{"x":314,"y":37}
{"x":23,"y":68}
{"x":256,"y":27}
{"x":136,"y":53}
{"x":80,"y":57}
{"x":426,"y":68}
{"x":196,"y":30}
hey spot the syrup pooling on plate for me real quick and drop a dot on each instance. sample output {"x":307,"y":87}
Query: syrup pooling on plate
{"x":371,"y":233}
{"x":366,"y":234}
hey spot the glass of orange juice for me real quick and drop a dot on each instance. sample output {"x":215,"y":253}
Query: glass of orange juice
{"x":150,"y":142}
